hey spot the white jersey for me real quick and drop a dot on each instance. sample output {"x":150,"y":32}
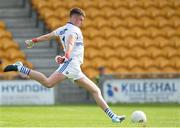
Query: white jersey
{"x":63,"y":32}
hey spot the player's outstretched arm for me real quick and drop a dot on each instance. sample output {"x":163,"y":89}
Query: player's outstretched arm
{"x":49,"y":36}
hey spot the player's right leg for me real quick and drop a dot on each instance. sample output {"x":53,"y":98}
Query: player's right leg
{"x":96,"y":93}
{"x":49,"y":82}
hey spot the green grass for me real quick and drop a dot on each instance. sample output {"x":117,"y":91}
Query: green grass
{"x":162,"y":115}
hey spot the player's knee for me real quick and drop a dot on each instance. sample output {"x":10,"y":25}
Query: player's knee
{"x":47,"y":84}
{"x":97,"y":91}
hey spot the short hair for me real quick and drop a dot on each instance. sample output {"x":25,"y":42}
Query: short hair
{"x":77,"y":11}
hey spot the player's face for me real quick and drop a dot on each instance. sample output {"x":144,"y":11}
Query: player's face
{"x":79,"y":20}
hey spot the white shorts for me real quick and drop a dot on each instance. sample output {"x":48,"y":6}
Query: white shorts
{"x":71,"y":69}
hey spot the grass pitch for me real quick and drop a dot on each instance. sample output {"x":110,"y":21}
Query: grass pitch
{"x":161,"y":115}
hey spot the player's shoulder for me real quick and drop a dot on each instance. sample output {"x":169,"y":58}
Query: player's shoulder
{"x":69,"y":28}
{"x":75,"y":28}
{"x":60,"y":28}
{"x":72,"y":27}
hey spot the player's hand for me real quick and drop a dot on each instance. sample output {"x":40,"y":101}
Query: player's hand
{"x":60,"y":59}
{"x":29,"y":43}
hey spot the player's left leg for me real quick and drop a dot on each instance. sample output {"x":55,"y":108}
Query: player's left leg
{"x":48,"y":82}
{"x":95,"y":91}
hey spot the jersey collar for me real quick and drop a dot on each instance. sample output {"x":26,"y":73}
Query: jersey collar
{"x":70,"y":23}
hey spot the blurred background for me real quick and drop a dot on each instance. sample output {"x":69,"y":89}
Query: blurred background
{"x":132,"y":49}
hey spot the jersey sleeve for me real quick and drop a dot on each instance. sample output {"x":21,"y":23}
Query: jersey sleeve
{"x":57,"y":31}
{"x":74,"y":34}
